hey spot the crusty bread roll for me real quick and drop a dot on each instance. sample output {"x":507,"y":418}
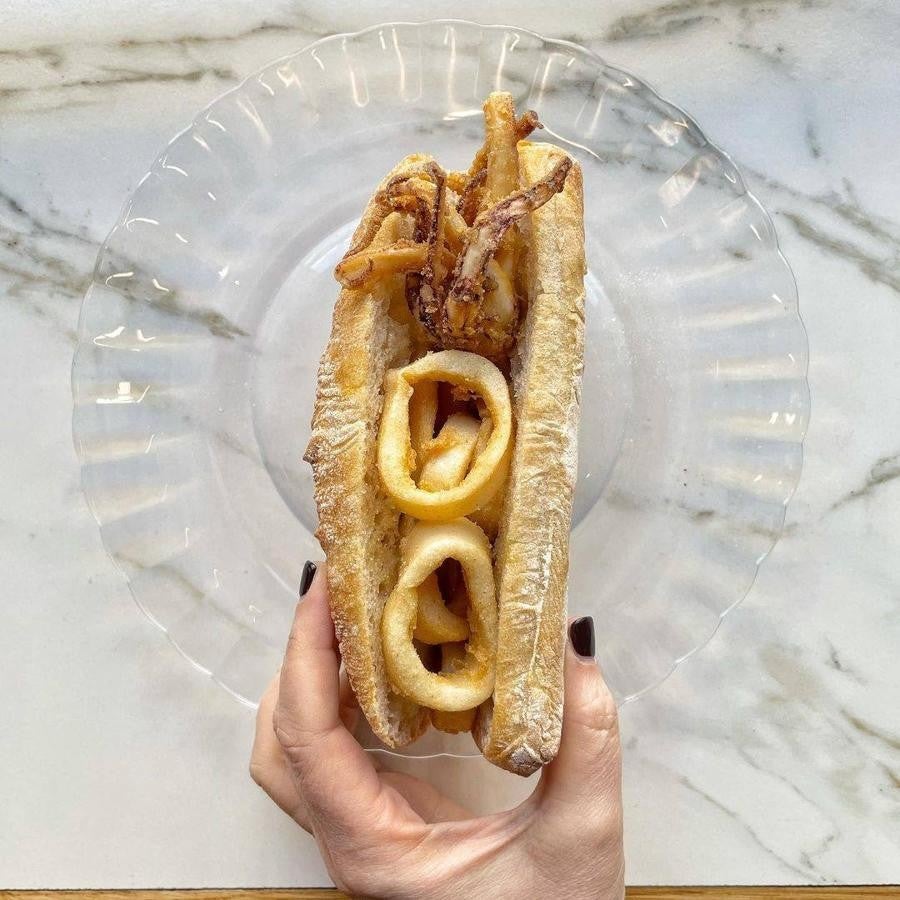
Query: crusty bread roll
{"x":519,"y":727}
{"x":358,"y":527}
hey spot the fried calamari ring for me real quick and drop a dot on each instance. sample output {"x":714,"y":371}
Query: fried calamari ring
{"x":472,"y":681}
{"x":444,"y":461}
{"x":423,"y":409}
{"x":452,"y":657}
{"x":435,"y":623}
{"x":395,"y":452}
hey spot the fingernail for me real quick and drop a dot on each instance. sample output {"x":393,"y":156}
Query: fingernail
{"x":581,"y":634}
{"x":306,"y":579}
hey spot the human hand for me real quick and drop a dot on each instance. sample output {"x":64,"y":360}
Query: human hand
{"x":389,"y":834}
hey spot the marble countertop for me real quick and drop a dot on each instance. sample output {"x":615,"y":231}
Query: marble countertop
{"x":771,"y":757}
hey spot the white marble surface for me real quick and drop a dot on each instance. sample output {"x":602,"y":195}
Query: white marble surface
{"x":773,"y":756}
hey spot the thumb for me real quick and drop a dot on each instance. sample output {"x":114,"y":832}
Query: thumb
{"x":585,"y":779}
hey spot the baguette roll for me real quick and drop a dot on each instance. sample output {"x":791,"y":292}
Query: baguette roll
{"x":519,"y":729}
{"x":523,"y":528}
{"x":358,"y":526}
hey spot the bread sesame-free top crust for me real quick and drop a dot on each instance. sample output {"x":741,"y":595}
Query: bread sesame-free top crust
{"x":519,"y":729}
{"x":358,"y":526}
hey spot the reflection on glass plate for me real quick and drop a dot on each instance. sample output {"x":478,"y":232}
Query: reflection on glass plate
{"x":211,"y":302}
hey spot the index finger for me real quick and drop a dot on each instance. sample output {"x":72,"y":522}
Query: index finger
{"x":332,"y":772}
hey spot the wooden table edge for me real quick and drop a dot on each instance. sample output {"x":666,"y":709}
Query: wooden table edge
{"x":712,"y":892}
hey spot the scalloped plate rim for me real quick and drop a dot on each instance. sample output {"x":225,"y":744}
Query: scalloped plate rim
{"x":575,"y":49}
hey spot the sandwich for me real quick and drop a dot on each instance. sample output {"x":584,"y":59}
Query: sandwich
{"x":444,"y":443}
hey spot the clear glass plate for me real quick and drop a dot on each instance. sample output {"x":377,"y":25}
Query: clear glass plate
{"x":211,"y":302}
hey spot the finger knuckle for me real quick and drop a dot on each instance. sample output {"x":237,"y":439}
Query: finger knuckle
{"x":290,"y":735}
{"x":598,"y":712}
{"x":291,"y":745}
{"x":606,"y":827}
{"x":350,"y":879}
{"x":380,"y":870}
{"x":603,"y":826}
{"x":598,"y":835}
{"x":258,"y":772}
{"x":294,"y":641}
{"x":358,"y":878}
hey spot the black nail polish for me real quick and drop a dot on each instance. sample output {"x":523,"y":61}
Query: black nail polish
{"x":581,"y":634}
{"x":306,"y":579}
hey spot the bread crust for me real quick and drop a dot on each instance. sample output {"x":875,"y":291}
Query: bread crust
{"x":358,"y":525}
{"x":520,"y":728}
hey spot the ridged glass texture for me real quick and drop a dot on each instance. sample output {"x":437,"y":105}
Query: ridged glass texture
{"x":211,"y":302}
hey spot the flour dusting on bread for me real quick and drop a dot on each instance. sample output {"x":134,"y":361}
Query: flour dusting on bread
{"x":434,"y":296}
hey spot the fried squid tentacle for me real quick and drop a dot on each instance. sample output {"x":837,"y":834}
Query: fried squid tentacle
{"x":369,"y":265}
{"x":418,"y":192}
{"x":462,"y":323}
{"x":472,"y":188}
{"x":469,"y":304}
{"x":422,"y":287}
{"x":399,"y":194}
{"x":470,"y":199}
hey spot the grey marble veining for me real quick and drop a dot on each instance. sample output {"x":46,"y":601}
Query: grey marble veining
{"x":772,"y":756}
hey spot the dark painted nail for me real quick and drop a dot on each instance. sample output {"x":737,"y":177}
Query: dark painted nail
{"x":306,"y":579}
{"x":581,"y":634}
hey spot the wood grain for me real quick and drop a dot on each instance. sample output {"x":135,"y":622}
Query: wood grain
{"x":861,"y":892}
